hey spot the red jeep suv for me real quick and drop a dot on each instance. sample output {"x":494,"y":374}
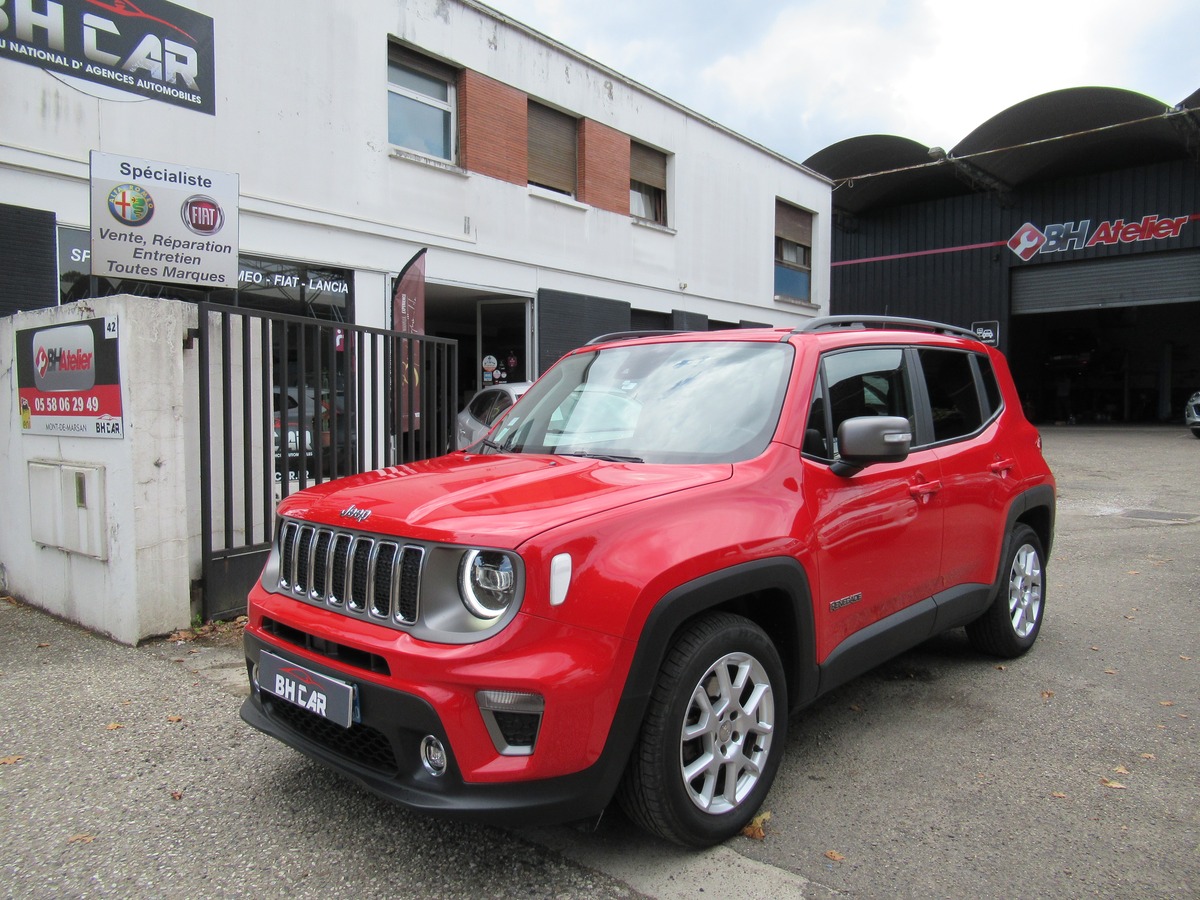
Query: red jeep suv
{"x":667,"y":546}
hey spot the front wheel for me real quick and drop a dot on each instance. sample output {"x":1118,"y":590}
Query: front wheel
{"x":1011,"y":624}
{"x":713,"y":735}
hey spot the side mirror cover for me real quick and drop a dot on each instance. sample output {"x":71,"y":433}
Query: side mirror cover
{"x":865,"y":440}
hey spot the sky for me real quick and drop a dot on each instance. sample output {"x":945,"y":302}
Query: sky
{"x":799,"y":75}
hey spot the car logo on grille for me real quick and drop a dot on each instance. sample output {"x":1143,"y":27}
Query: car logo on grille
{"x":353,"y":512}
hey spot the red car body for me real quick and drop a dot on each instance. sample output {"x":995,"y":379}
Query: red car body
{"x":841,"y":570}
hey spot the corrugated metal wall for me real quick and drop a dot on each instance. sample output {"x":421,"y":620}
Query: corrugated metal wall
{"x":947,"y":259}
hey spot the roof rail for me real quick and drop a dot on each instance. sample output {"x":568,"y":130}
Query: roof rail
{"x":832,"y":323}
{"x":630,"y":335}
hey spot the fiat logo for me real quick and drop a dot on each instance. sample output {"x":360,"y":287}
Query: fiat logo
{"x":202,"y":215}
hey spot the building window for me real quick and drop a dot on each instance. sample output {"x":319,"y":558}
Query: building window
{"x":552,"y":149}
{"x":420,"y":104}
{"x":647,"y":183}
{"x":793,"y":253}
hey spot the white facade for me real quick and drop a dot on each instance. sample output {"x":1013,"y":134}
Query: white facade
{"x":302,"y":119}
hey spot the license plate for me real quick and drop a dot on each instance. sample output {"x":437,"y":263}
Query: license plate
{"x":327,"y":697}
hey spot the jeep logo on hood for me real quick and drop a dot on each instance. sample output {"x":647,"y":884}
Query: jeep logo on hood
{"x":353,"y":512}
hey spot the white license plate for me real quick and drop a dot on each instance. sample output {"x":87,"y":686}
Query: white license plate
{"x":326,"y":697}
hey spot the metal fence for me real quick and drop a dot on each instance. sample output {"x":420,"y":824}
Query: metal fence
{"x":286,"y":402}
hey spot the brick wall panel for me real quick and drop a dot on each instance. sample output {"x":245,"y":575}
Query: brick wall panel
{"x":492,"y":125}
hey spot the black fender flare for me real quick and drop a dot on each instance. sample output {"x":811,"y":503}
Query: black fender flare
{"x":779,"y":575}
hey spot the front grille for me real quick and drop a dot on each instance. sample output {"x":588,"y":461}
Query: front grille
{"x":356,"y":574}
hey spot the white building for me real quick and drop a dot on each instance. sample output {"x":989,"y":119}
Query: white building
{"x":535,"y":176}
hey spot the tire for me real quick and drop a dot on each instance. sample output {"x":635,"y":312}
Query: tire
{"x":1011,"y":624}
{"x":1196,"y":432}
{"x":720,"y":694}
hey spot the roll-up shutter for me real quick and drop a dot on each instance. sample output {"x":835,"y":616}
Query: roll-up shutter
{"x":793,"y":224}
{"x":552,"y":149}
{"x":647,"y":166}
{"x":1143,"y":280}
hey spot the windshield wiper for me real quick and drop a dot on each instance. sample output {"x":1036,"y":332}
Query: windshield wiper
{"x":607,"y":457}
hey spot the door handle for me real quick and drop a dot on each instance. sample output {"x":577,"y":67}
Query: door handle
{"x":1002,"y":467}
{"x":923,"y":492}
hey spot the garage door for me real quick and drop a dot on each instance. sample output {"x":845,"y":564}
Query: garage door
{"x":1143,"y":280}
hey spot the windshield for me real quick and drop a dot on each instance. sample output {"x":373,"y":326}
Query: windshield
{"x":699,"y":402}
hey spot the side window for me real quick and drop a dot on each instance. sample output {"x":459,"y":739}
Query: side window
{"x":953,"y":395}
{"x":793,"y":253}
{"x":991,"y":387}
{"x":503,"y":402}
{"x":481,"y":406}
{"x":869,"y":382}
{"x":421,"y":104}
{"x":647,"y":183}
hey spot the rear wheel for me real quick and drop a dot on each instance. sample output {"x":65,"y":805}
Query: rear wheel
{"x":713,"y":734}
{"x":1012,"y":622}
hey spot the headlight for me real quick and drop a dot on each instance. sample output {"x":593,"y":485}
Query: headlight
{"x":487,"y":582}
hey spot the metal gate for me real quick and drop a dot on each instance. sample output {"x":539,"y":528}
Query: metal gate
{"x":289,"y":401}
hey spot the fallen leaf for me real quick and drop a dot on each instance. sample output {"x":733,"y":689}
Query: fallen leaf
{"x":1133,"y":572}
{"x":1186,"y":658}
{"x":81,"y":839}
{"x":113,"y":726}
{"x":1166,"y":702}
{"x":1114,"y":785}
{"x":174,"y":718}
{"x":834,"y":855}
{"x":1046,"y":695}
{"x":756,"y":830}
{"x":10,"y":760}
{"x":855,"y":707}
{"x":1001,"y":668}
{"x":1131,"y":618}
{"x":1095,"y":648}
{"x":1110,"y":671}
{"x":176,"y":795}
{"x":1059,"y":795}
{"x":1149,"y":756}
{"x":42,"y":646}
{"x":1121,"y":770}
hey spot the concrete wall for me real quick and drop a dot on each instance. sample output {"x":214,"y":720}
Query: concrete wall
{"x":302,"y":118}
{"x":134,"y":581}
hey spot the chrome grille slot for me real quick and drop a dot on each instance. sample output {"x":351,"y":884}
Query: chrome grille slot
{"x":358,"y":575}
{"x":360,"y":572}
{"x":303,"y":559}
{"x":341,"y":554}
{"x":320,"y":567}
{"x":382,"y":584}
{"x":410,"y":585}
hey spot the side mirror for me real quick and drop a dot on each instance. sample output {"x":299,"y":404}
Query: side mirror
{"x":865,"y":440}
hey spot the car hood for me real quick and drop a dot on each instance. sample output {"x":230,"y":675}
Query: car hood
{"x":500,"y":501}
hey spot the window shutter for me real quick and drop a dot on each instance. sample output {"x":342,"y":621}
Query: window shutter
{"x":793,"y":224}
{"x":647,"y":166}
{"x":403,"y":56}
{"x":552,"y":149}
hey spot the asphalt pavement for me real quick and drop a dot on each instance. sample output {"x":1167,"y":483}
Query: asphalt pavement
{"x":1071,"y":772}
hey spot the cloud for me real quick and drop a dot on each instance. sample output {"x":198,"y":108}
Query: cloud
{"x":798,"y":75}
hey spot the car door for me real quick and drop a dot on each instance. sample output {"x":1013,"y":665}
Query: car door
{"x":979,"y":474}
{"x":877,"y":533}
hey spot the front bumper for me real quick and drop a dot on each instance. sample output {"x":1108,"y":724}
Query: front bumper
{"x":577,"y":760}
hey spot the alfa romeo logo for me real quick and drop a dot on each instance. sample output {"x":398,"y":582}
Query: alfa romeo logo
{"x":130,"y":204}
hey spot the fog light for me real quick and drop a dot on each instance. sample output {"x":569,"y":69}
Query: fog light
{"x":433,"y":755}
